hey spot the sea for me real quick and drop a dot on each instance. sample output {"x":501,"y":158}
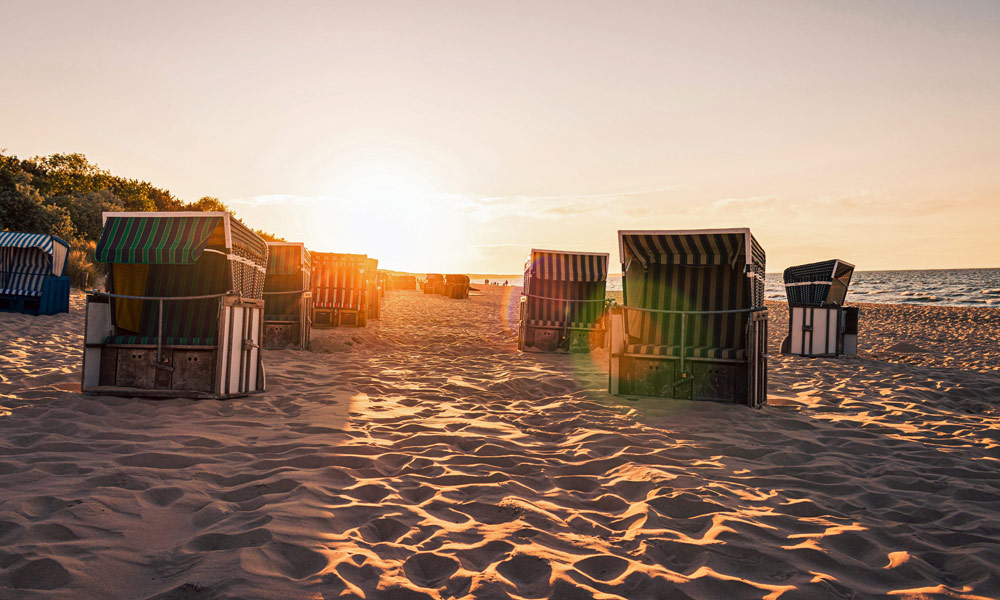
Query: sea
{"x":941,"y":287}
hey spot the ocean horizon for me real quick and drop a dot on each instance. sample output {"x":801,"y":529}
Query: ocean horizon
{"x":941,"y":287}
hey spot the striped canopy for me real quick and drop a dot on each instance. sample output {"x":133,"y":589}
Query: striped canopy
{"x":819,"y":282}
{"x":567,"y":266}
{"x":26,"y":259}
{"x":706,"y":247}
{"x":150,"y":239}
{"x":54,"y":247}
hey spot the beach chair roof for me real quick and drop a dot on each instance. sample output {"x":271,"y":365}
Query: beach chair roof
{"x":818,"y":282}
{"x":435,"y":277}
{"x":176,"y":238}
{"x":287,"y":258}
{"x":55,"y":249}
{"x":692,"y":247}
{"x":456,"y":278}
{"x":563,"y":265}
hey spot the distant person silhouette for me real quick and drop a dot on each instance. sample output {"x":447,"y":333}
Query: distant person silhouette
{"x":505,"y":282}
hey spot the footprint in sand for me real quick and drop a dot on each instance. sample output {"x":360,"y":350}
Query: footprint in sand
{"x":43,"y":574}
{"x":221,"y":541}
{"x":429,"y":570}
{"x":529,"y":574}
{"x":603,"y":568}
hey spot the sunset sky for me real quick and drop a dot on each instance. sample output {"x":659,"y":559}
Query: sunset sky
{"x":455,"y":136}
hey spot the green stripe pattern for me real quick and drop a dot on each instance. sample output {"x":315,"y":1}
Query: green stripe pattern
{"x":153,"y":240}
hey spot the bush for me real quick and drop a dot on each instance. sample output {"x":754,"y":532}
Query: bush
{"x":82,"y":269}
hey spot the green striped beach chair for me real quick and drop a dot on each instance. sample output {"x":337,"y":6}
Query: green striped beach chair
{"x":563,"y":302}
{"x":693,"y":324}
{"x":287,"y":296}
{"x":818,"y":322}
{"x":183,"y":314}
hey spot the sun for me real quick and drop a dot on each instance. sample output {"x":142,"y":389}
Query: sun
{"x":403,"y":219}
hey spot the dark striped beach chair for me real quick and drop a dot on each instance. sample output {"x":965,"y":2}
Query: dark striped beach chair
{"x":32,"y":267}
{"x":434,"y":284}
{"x":456,"y":286}
{"x":563,"y":303}
{"x":693,"y":324}
{"x":340,"y":290}
{"x":287,"y":296}
{"x":818,"y":322}
{"x":184,"y":312}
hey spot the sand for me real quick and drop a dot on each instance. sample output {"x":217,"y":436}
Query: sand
{"x":424,"y":457}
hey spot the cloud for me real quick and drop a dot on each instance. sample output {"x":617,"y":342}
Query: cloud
{"x":273,"y":199}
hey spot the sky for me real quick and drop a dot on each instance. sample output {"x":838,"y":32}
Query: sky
{"x":456,"y":136}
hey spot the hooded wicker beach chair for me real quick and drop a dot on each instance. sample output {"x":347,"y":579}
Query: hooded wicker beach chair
{"x":693,"y":324}
{"x":563,"y":303}
{"x":31,"y":273}
{"x":372,"y":292}
{"x":434,"y":284}
{"x":184,"y":312}
{"x":456,"y":286}
{"x":818,"y":322}
{"x":287,"y":296}
{"x":340,"y":289}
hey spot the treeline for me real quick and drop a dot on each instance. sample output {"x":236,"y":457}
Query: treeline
{"x":65,"y":194}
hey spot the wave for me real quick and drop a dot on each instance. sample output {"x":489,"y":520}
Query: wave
{"x":993,"y":291}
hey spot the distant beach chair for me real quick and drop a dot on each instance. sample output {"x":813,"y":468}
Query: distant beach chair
{"x":456,"y":286}
{"x":184,"y":312}
{"x":563,"y":303}
{"x":340,"y":289}
{"x":404,"y":282}
{"x":287,"y":296}
{"x":383,"y":281}
{"x":373,"y":293}
{"x":818,"y":322}
{"x":434,"y":284}
{"x":693,"y":325}
{"x":32,"y":267}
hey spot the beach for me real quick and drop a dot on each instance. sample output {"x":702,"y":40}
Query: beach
{"x":424,"y":457}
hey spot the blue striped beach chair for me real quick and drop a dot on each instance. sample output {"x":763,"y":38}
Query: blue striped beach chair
{"x":693,"y":324}
{"x":184,"y":311}
{"x":818,"y":322}
{"x":32,"y":267}
{"x":563,"y":302}
{"x":287,"y":296}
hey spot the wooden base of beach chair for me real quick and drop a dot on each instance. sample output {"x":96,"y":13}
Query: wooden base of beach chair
{"x":282,"y":334}
{"x":815,"y":331}
{"x":231,"y":366}
{"x":699,"y":380}
{"x":52,"y":299}
{"x":339,"y":317}
{"x":548,"y":339}
{"x":741,"y":381}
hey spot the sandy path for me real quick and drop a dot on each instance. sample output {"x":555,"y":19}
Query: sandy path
{"x":424,"y":457}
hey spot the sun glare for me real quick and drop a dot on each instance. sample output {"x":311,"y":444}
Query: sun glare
{"x":411,"y":228}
